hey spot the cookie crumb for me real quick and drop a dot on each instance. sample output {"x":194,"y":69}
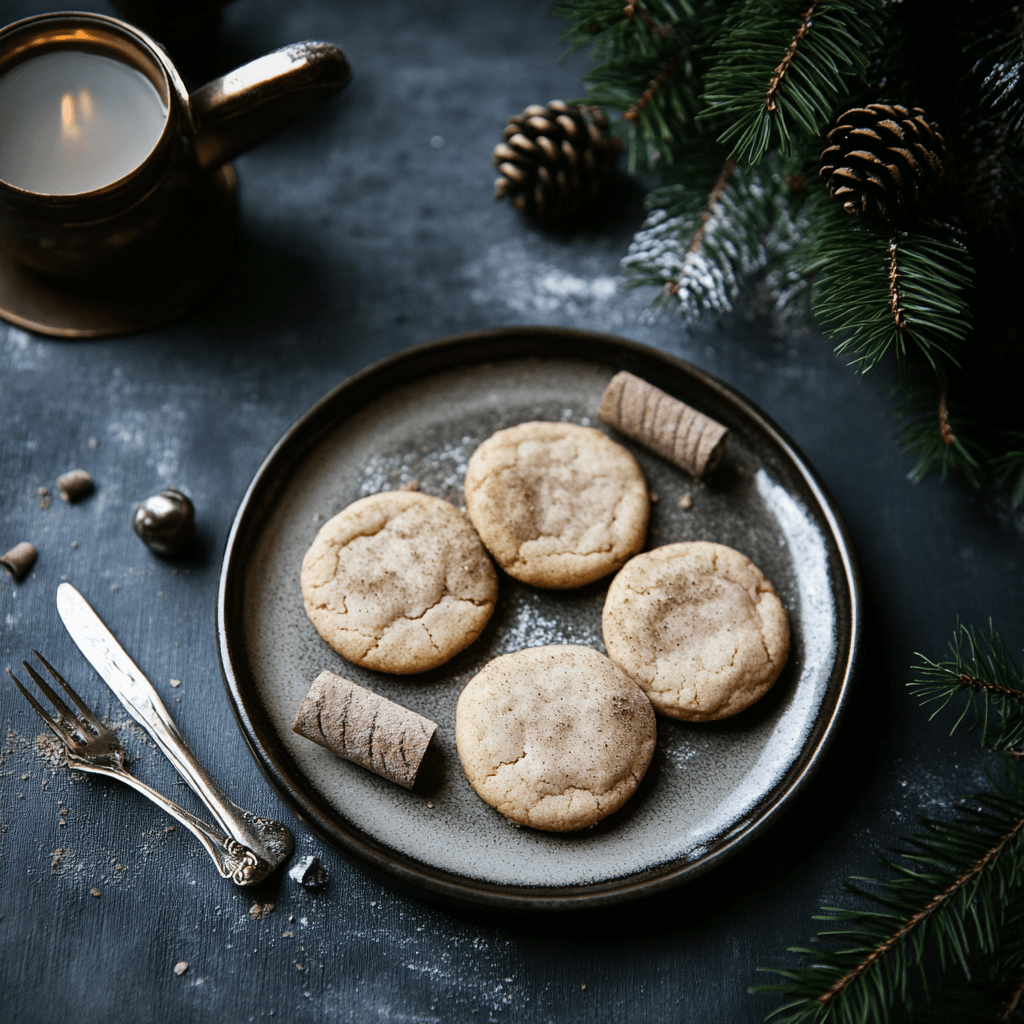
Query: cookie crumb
{"x":175,"y":682}
{"x":686,"y":501}
{"x":287,"y":935}
{"x":412,"y":485}
{"x":258,"y":911}
{"x":44,"y":497}
{"x":582,"y":987}
{"x":75,"y":485}
{"x":430,"y":803}
{"x":170,"y":828}
{"x":74,"y":544}
{"x":180,"y":967}
{"x":94,"y":891}
{"x":94,"y":442}
{"x":655,"y":497}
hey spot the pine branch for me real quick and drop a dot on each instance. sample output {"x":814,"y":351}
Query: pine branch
{"x":994,"y":991}
{"x":703,"y":240}
{"x":1001,"y":69}
{"x":783,"y":68}
{"x":1010,"y":466}
{"x":647,"y":63}
{"x":935,"y":430}
{"x":901,"y":291}
{"x":944,"y":903}
{"x":988,"y":676}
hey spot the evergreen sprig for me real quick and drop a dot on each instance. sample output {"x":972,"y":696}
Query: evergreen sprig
{"x":760,"y":81}
{"x":783,"y":68}
{"x":939,"y":939}
{"x":647,"y":64}
{"x":983,"y":671}
{"x":933,"y":428}
{"x":1010,"y":467}
{"x":699,"y":245}
{"x":883,"y":292}
{"x":945,"y":903}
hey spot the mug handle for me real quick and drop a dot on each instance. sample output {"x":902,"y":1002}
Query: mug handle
{"x":247,"y":105}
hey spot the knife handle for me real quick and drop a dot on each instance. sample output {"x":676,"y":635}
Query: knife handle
{"x":270,"y":840}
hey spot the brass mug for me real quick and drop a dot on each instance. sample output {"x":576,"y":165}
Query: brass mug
{"x":83,"y":234}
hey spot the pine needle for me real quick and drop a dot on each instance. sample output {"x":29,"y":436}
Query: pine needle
{"x":708,"y":235}
{"x":945,"y":901}
{"x":880,"y":292}
{"x":783,"y":69}
{"x":984,"y":672}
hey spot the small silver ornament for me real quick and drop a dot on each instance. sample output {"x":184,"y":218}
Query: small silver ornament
{"x":165,"y":522}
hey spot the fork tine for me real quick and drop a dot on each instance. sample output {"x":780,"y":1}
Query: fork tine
{"x":63,"y":736}
{"x":87,"y":712}
{"x":64,"y":713}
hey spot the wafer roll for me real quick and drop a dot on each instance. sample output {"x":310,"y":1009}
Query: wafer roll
{"x":364,"y":727}
{"x":682,"y":435}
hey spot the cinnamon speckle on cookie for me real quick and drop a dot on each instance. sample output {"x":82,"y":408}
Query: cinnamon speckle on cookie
{"x":398,"y":582}
{"x":558,"y":505}
{"x":699,"y":627}
{"x":554,"y":737}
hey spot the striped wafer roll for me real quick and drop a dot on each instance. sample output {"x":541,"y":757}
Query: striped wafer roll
{"x":364,"y":727}
{"x":682,"y":435}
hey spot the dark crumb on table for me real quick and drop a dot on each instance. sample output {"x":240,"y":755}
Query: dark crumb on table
{"x":74,"y":485}
{"x":258,"y":911}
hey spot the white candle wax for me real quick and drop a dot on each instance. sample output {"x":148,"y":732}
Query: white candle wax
{"x":72,"y":121}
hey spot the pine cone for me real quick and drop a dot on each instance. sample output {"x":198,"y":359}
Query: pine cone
{"x":883,"y":161}
{"x":554,"y":160}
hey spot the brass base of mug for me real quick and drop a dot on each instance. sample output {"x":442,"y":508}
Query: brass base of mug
{"x":163,"y":283}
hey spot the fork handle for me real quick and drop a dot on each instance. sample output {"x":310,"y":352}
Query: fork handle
{"x":233,"y":860}
{"x":269,"y":840}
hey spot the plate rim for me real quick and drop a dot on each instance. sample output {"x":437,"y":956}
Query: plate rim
{"x":424,"y":880}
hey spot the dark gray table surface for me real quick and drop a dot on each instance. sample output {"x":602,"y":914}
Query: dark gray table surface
{"x":367,"y":228}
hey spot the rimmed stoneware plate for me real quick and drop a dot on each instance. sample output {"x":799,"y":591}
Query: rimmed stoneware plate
{"x":418,"y":416}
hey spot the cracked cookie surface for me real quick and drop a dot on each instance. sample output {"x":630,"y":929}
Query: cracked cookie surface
{"x":554,"y":737}
{"x":558,"y":505}
{"x":699,"y":627}
{"x":398,"y":582}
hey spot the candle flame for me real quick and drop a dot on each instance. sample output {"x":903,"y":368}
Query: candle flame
{"x":85,"y":105}
{"x":70,"y":129}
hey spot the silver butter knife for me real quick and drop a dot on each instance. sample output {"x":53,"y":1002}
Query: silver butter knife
{"x":268,"y":842}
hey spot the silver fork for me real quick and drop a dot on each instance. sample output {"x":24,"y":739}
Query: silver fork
{"x":91,"y":746}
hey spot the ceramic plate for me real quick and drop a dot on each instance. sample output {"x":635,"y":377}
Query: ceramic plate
{"x":418,"y":416}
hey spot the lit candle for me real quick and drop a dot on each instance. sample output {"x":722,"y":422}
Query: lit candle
{"x":72,"y":121}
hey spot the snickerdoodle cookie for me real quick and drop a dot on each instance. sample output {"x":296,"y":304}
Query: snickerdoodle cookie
{"x":554,"y":737}
{"x":699,"y":627}
{"x":558,"y":505}
{"x":398,"y":582}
